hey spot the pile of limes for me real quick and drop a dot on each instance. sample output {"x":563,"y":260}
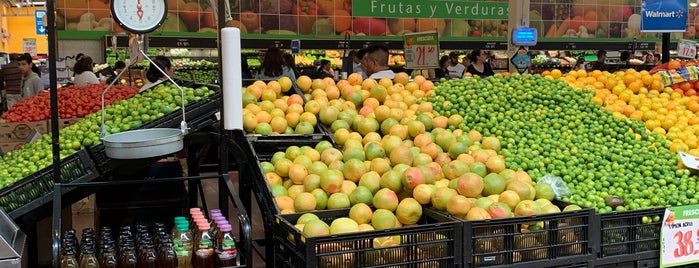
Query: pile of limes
{"x":548,"y":128}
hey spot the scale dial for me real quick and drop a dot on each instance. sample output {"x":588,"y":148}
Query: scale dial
{"x":140,"y":16}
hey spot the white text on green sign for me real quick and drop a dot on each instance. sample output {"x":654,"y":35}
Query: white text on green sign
{"x":448,"y":9}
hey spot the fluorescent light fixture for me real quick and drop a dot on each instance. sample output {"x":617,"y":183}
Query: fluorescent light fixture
{"x":694,"y":4}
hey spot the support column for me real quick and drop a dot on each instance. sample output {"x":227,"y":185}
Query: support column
{"x":518,"y":17}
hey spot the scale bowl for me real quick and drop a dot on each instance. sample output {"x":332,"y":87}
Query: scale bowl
{"x":143,"y":143}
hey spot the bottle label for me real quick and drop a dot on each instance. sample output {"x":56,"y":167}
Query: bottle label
{"x":181,"y":251}
{"x":205,"y":243}
{"x":177,"y":242}
{"x":228,"y":244}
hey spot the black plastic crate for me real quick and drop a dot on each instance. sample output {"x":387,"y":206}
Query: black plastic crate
{"x":624,"y":236}
{"x":34,"y":190}
{"x":646,"y":263}
{"x":558,"y":240}
{"x":433,"y":242}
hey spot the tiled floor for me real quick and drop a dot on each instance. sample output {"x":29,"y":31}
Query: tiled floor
{"x":84,"y":214}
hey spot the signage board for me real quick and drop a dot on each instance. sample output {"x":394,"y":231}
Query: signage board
{"x":445,"y":9}
{"x":679,"y":233}
{"x":39,"y":16}
{"x":687,"y":48}
{"x":663,"y":15}
{"x":421,"y":50}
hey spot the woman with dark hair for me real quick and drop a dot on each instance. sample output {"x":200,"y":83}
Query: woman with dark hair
{"x":291,"y":63}
{"x":273,"y":66}
{"x":442,"y":70}
{"x":156,"y":76}
{"x":479,"y":66}
{"x":324,"y":70}
{"x":83,"y":72}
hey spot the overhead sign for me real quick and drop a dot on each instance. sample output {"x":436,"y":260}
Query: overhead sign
{"x":421,"y":50}
{"x":39,"y":16}
{"x":295,"y":46}
{"x":663,"y":15}
{"x":446,"y":9}
{"x":678,"y":236}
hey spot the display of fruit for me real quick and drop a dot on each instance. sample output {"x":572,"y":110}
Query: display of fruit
{"x":198,"y":76}
{"x":119,"y":116}
{"x":73,"y":101}
{"x":270,"y":109}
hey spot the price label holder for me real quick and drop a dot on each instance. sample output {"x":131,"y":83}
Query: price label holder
{"x":421,"y":50}
{"x":679,"y":236}
{"x":687,"y":49}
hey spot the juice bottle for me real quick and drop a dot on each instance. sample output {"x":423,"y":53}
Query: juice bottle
{"x":167,"y":258}
{"x":88,"y":259}
{"x":204,"y":255}
{"x":68,"y":259}
{"x":226,"y":252}
{"x":147,"y":258}
{"x":128,"y":258}
{"x":182,"y":245}
{"x":109,"y":257}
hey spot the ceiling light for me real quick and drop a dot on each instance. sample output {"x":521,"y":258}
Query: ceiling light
{"x":694,"y":4}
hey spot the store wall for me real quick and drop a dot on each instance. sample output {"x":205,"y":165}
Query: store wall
{"x":21,"y":25}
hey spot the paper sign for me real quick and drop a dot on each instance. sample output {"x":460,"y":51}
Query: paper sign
{"x":687,"y":48}
{"x":421,"y":50}
{"x":679,"y":234}
{"x":689,"y":160}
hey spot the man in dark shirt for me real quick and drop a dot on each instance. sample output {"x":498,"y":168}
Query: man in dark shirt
{"x":10,"y":82}
{"x":600,"y":64}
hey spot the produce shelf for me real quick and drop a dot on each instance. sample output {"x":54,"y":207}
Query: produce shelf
{"x":261,"y":148}
{"x":35,"y":190}
{"x":433,"y":242}
{"x":557,"y":240}
{"x":623,"y":236}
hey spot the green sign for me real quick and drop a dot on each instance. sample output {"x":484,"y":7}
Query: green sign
{"x":447,"y":9}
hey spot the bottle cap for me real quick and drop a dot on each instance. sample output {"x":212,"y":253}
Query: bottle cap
{"x":221,"y":222}
{"x":204,"y":226}
{"x":193,"y":210}
{"x":182,"y":227}
{"x":225,"y":228}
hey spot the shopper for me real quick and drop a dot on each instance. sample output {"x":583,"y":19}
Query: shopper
{"x":356,"y":68}
{"x":273,"y":66}
{"x":10,"y":82}
{"x":375,"y":62}
{"x":599,"y":64}
{"x":455,"y":68}
{"x":324,"y":70}
{"x":442,"y":71}
{"x":479,"y":66}
{"x":31,"y":83}
{"x":34,"y":67}
{"x":83,"y":72}
{"x":154,"y":75}
{"x":624,"y":57}
{"x":119,"y":66}
{"x":291,"y":63}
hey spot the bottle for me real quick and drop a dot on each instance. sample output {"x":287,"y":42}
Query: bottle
{"x":88,"y":258}
{"x":167,"y":258}
{"x":226,"y":252}
{"x":204,"y":255}
{"x":68,"y":259}
{"x":182,"y":245}
{"x":109,"y":257}
{"x":147,"y":258}
{"x":127,"y":258}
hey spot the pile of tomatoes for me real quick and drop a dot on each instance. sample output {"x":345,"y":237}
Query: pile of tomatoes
{"x":73,"y":101}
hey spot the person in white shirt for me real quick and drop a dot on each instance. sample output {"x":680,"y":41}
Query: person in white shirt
{"x":83,"y":72}
{"x":375,"y":62}
{"x":455,"y":68}
{"x":355,"y":63}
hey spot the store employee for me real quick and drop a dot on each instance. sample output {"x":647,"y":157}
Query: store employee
{"x":154,"y":75}
{"x":375,"y":62}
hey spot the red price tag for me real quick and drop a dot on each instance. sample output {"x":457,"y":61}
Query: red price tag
{"x":679,"y":239}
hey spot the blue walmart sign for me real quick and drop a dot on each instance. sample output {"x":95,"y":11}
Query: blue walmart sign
{"x":663,"y":15}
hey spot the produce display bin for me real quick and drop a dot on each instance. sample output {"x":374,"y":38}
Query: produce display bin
{"x":646,"y":263}
{"x":35,"y":190}
{"x":549,"y":240}
{"x":625,"y":237}
{"x":433,"y":242}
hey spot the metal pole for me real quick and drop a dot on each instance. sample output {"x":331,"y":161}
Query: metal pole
{"x":666,"y":48}
{"x":53,"y":87}
{"x":223,"y":137}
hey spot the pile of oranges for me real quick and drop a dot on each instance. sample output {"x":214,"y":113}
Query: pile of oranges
{"x":671,"y":111}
